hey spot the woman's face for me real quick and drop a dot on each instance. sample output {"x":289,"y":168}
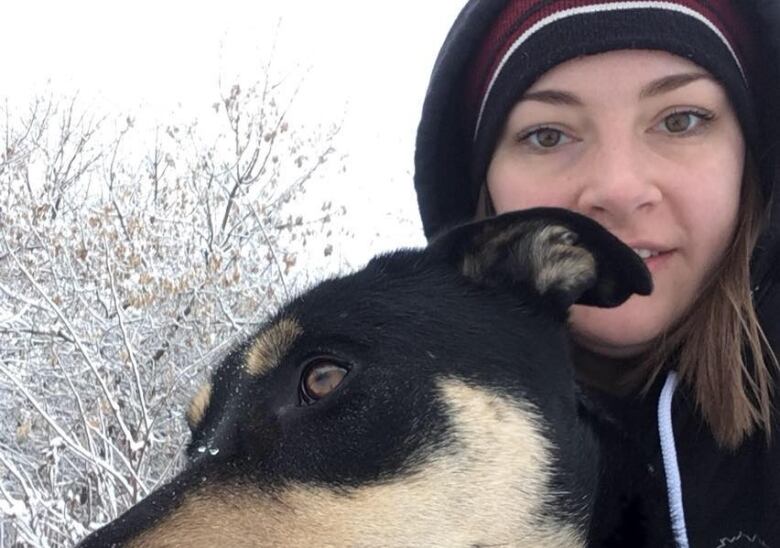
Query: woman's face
{"x":647,"y":144}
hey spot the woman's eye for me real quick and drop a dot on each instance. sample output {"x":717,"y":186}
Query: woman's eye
{"x":685,"y":122}
{"x":544,"y":138}
{"x":320,"y":379}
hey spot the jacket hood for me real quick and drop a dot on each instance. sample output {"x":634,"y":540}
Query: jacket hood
{"x":447,"y":195}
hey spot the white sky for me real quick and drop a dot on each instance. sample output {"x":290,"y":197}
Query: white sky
{"x":155,"y":56}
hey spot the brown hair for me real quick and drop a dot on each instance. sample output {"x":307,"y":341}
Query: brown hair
{"x":720,"y":350}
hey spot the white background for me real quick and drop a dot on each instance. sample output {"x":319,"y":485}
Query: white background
{"x":367,"y":62}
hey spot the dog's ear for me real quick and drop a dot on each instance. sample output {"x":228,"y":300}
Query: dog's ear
{"x":561,"y":254}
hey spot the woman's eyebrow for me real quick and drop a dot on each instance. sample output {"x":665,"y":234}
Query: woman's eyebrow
{"x":553,"y":97}
{"x":672,"y":82}
{"x":654,"y":88}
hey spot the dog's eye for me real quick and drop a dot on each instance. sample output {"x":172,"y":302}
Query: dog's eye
{"x":320,"y":379}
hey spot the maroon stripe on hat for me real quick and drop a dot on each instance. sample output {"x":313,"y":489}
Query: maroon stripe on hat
{"x":516,"y":18}
{"x":519,"y":16}
{"x":732,"y":23}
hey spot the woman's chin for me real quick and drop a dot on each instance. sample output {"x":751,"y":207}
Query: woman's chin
{"x":623,"y":332}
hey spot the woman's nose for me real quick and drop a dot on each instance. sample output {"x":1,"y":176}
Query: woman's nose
{"x":619,"y":180}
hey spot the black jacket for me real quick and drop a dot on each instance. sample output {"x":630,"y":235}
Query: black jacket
{"x":731,"y":499}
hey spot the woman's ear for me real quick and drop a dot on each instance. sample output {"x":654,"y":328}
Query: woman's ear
{"x":560,"y":254}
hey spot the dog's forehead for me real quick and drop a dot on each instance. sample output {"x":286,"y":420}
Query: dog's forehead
{"x":336,"y":310}
{"x":267,"y":349}
{"x":390,"y":287}
{"x":333,"y":309}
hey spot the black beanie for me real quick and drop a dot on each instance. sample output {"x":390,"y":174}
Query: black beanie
{"x":505,"y":46}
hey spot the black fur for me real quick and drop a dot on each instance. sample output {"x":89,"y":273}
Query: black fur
{"x":405,"y":320}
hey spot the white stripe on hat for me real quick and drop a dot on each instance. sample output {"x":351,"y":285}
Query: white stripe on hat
{"x":596,"y":8}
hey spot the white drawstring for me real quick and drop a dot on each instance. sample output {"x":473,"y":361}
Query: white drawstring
{"x":671,"y":467}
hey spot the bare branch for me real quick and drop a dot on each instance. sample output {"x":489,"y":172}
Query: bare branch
{"x":79,"y":345}
{"x":272,"y":251}
{"x":128,"y":346}
{"x":73,"y":445}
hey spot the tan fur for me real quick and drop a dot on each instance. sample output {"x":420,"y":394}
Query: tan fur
{"x":486,"y":488}
{"x":199,"y":405}
{"x":487,"y":246}
{"x":558,"y":262}
{"x":271,"y":345}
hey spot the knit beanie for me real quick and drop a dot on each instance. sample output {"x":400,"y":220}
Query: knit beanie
{"x":497,"y":49}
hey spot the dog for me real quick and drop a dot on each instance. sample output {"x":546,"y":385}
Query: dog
{"x":425,"y":400}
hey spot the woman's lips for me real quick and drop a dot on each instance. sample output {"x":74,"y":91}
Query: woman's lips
{"x":654,"y":255}
{"x":657,"y":261}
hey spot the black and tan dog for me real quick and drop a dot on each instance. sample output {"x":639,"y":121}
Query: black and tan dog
{"x":426,"y":400}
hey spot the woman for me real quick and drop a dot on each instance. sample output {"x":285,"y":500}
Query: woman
{"x":659,"y":120}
